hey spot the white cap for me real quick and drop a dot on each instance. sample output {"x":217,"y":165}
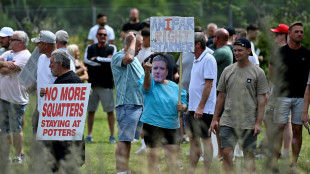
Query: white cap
{"x":62,"y":36}
{"x":45,"y":36}
{"x":6,"y":31}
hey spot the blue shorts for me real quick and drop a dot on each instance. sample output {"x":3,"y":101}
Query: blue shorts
{"x":11,"y":116}
{"x":286,"y":105}
{"x":128,"y":122}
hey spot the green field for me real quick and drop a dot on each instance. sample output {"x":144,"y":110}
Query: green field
{"x":100,"y":156}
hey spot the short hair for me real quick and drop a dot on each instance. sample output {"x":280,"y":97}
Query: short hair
{"x":145,"y":32}
{"x":241,"y":32}
{"x":127,"y":41}
{"x":252,"y":27}
{"x":163,"y":58}
{"x":100,"y":15}
{"x":23,"y":37}
{"x":294,"y":24}
{"x":63,"y":57}
{"x":200,"y":37}
{"x":101,"y":28}
{"x":198,"y":29}
{"x":72,"y":48}
{"x":212,"y":24}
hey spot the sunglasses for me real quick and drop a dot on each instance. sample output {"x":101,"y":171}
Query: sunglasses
{"x":12,"y":39}
{"x":102,"y":34}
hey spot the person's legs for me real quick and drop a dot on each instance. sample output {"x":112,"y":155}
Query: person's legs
{"x":297,"y":141}
{"x":111,"y":121}
{"x":90,"y":122}
{"x":249,"y":146}
{"x":195,"y":151}
{"x":287,"y":139}
{"x":249,"y":162}
{"x":172,"y":157}
{"x":106,"y":96}
{"x":208,"y":154}
{"x":228,"y":154}
{"x":153,"y":159}
{"x":122,"y":155}
{"x":91,"y":109}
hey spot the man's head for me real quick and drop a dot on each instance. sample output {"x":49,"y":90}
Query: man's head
{"x":139,"y":41}
{"x":102,"y":19}
{"x":45,"y":41}
{"x":200,"y":43}
{"x":296,"y":32}
{"x":146,"y":37}
{"x":211,"y":28}
{"x":146,"y":23}
{"x":252,"y":32}
{"x":19,"y":41}
{"x":280,"y":34}
{"x":159,"y":68}
{"x":241,"y":33}
{"x":232,"y":34}
{"x":134,"y":15}
{"x":5,"y":34}
{"x":59,"y":63}
{"x":242,"y":49}
{"x":102,"y":35}
{"x":220,"y":37}
{"x":62,"y":38}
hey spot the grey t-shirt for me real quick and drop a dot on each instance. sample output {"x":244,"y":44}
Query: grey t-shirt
{"x":126,"y":80}
{"x":241,"y":85}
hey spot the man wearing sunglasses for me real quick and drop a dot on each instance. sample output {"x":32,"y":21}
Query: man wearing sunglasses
{"x":98,"y":60}
{"x":5,"y":35}
{"x":13,"y":97}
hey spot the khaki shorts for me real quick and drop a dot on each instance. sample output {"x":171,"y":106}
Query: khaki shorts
{"x":105,"y":95}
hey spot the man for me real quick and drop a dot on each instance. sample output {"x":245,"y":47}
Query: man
{"x":291,"y":93}
{"x":13,"y":97}
{"x":202,"y":96}
{"x":281,"y":34}
{"x":102,"y":23}
{"x":101,"y":79}
{"x":211,"y":28}
{"x":133,"y":25}
{"x":5,"y":34}
{"x":60,"y":68}
{"x":62,"y":39}
{"x":127,"y":70}
{"x":146,"y":45}
{"x":252,"y":34}
{"x":242,"y":88}
{"x":46,"y":43}
{"x":231,"y":40}
{"x":224,"y":58}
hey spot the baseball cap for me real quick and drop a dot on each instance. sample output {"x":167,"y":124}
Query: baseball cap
{"x":45,"y":36}
{"x":282,"y":28}
{"x":62,"y":36}
{"x":6,"y":31}
{"x":244,"y":43}
{"x":231,"y":30}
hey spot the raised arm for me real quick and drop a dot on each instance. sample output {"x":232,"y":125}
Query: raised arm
{"x":130,"y":45}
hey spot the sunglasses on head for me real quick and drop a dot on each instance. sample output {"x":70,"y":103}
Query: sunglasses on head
{"x":102,"y":34}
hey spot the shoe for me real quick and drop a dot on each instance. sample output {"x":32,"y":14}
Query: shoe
{"x":112,"y":139}
{"x":89,"y":139}
{"x":142,"y":150}
{"x":185,"y":140}
{"x":259,"y":156}
{"x":217,"y":158}
{"x":17,"y":160}
{"x":285,"y":155}
{"x":23,"y":157}
{"x":135,"y":141}
{"x":201,"y":158}
{"x":180,"y":165}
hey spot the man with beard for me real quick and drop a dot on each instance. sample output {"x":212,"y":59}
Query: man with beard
{"x":102,"y":23}
{"x":5,"y":34}
{"x":134,"y":23}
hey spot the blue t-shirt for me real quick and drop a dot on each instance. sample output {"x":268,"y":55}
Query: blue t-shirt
{"x":126,"y":80}
{"x":160,"y":104}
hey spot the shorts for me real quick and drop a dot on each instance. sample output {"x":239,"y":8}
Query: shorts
{"x":156,"y":136}
{"x":11,"y":116}
{"x":105,"y":95}
{"x":198,"y":127}
{"x":231,"y":136}
{"x":285,"y":106}
{"x":128,"y":122}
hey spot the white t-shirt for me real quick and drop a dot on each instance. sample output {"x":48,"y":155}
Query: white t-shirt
{"x":203,"y":68}
{"x":11,"y":89}
{"x":93,"y":32}
{"x":254,"y":58}
{"x":144,"y":53}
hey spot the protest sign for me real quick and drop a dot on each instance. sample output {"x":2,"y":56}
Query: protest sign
{"x":63,"y":111}
{"x":172,"y":34}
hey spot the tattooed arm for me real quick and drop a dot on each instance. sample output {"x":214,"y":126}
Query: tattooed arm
{"x":130,"y":45}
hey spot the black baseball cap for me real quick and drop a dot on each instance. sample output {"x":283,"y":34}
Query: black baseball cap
{"x":244,"y":43}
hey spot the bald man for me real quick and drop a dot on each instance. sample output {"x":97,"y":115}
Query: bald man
{"x":134,"y":23}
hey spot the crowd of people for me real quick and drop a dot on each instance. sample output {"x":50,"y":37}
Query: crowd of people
{"x":224,"y":92}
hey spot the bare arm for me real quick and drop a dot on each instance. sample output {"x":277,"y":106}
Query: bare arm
{"x":260,"y":113}
{"x":204,"y":98}
{"x":85,"y":73}
{"x":305,"y":116}
{"x":147,"y":78}
{"x":8,"y":67}
{"x":129,"y":49}
{"x":218,"y":108}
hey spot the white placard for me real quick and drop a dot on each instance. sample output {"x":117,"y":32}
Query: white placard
{"x":172,"y":34}
{"x":63,"y":112}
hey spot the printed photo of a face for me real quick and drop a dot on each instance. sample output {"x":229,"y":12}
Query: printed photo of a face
{"x":159,"y":70}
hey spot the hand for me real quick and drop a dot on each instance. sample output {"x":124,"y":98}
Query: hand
{"x":130,"y":36}
{"x":214,"y":124}
{"x":198,"y":113}
{"x":147,"y":66}
{"x":181,"y":107}
{"x":93,"y":58}
{"x":10,"y":64}
{"x":257,"y":129}
{"x":42,"y":92}
{"x":305,"y":120}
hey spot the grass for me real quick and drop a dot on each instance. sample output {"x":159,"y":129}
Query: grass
{"x":100,"y":158}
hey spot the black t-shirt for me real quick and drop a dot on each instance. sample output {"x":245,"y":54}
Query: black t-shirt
{"x":295,"y":75}
{"x":100,"y":75}
{"x":172,"y":67}
{"x":136,"y":27}
{"x":232,"y":50}
{"x":69,"y":77}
